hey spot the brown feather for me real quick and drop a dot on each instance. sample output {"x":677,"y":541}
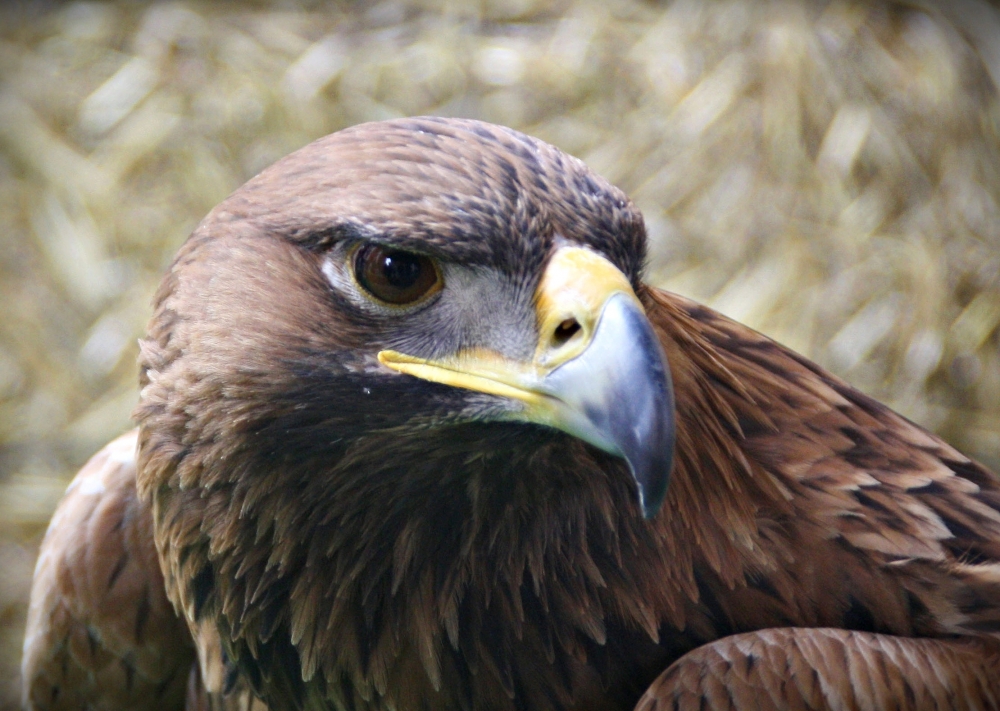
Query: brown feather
{"x":825,"y":669}
{"x":101,"y":633}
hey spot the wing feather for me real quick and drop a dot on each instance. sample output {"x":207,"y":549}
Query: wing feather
{"x":858,"y":517}
{"x":101,"y":633}
{"x":796,"y":669}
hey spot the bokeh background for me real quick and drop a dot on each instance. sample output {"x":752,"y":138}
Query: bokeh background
{"x":827,"y":172}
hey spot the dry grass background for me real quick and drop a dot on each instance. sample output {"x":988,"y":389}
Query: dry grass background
{"x":827,"y":172}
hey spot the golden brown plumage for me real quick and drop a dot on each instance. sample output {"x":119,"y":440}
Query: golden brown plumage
{"x":101,"y":633}
{"x":356,"y":537}
{"x":796,"y":669}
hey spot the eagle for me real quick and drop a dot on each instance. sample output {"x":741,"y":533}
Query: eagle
{"x":414,"y":434}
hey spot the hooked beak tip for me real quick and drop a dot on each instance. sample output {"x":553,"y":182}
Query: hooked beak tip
{"x":618,"y":396}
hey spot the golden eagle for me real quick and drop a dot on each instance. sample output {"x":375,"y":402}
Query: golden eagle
{"x":414,"y":434}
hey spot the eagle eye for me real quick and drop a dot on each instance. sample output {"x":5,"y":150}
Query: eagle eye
{"x":395,"y":277}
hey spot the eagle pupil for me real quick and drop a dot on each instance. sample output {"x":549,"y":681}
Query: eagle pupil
{"x":401,"y":270}
{"x":396,"y":277}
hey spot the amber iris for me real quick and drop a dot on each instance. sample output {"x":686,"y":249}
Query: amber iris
{"x":394,"y":276}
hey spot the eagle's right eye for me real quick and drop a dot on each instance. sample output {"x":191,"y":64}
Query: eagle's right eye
{"x":394,"y":276}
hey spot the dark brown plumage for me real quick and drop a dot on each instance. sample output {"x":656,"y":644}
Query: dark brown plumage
{"x":340,"y":535}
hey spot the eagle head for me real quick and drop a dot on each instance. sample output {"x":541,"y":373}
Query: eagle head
{"x":407,"y":357}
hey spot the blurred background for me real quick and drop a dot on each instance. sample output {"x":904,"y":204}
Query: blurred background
{"x":826,"y":172}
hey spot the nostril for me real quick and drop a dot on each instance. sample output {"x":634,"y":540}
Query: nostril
{"x":565,"y":331}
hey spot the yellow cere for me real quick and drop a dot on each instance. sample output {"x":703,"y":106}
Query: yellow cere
{"x":576,"y":284}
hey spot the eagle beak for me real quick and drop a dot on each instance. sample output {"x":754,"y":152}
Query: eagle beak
{"x":598,"y":372}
